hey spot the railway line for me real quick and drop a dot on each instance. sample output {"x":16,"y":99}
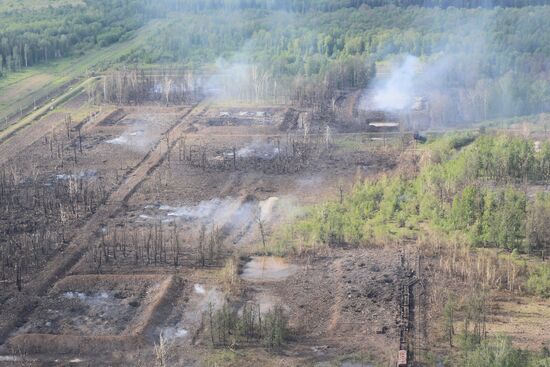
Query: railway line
{"x":410,"y":307}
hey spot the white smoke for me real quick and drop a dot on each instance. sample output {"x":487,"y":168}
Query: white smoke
{"x":445,"y":85}
{"x":220,"y":211}
{"x":267,"y":206}
{"x":237,"y":218}
{"x":139,"y":138}
{"x":202,"y":210}
{"x":87,"y":174}
{"x":399,"y":90}
{"x":174,"y":332}
{"x":258,"y":150}
{"x":231,"y":80}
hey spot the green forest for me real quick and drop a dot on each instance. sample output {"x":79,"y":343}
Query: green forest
{"x":491,"y":60}
{"x":477,"y":189}
{"x":30,"y":37}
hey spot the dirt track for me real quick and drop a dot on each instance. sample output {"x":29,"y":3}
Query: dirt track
{"x":19,"y":306}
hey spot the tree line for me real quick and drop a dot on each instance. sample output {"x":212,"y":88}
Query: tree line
{"x":488,"y":63}
{"x":29,"y":37}
{"x":302,"y":6}
{"x":464,"y":196}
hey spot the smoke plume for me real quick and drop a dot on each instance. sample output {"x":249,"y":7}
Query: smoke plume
{"x":398,"y":91}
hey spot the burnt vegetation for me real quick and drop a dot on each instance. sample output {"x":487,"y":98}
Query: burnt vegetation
{"x":46,"y":209}
{"x":156,"y":244}
{"x":235,"y":185}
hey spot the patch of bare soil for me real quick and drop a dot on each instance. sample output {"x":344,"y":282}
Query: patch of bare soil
{"x":93,"y":305}
{"x":339,"y":303}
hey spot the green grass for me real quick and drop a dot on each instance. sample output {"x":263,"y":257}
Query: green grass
{"x":44,"y":110}
{"x":220,"y":357}
{"x":530,"y":123}
{"x":19,"y":90}
{"x":365,"y":141}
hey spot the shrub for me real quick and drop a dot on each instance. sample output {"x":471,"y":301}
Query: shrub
{"x":539,"y":281}
{"x":495,"y":353}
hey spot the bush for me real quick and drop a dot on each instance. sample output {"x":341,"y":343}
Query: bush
{"x":495,"y":353}
{"x":539,"y":281}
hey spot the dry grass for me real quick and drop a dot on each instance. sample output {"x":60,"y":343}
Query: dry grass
{"x":524,"y":319}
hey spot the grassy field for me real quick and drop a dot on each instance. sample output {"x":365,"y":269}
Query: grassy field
{"x":20,"y":90}
{"x":522,"y":318}
{"x":45,"y":109}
